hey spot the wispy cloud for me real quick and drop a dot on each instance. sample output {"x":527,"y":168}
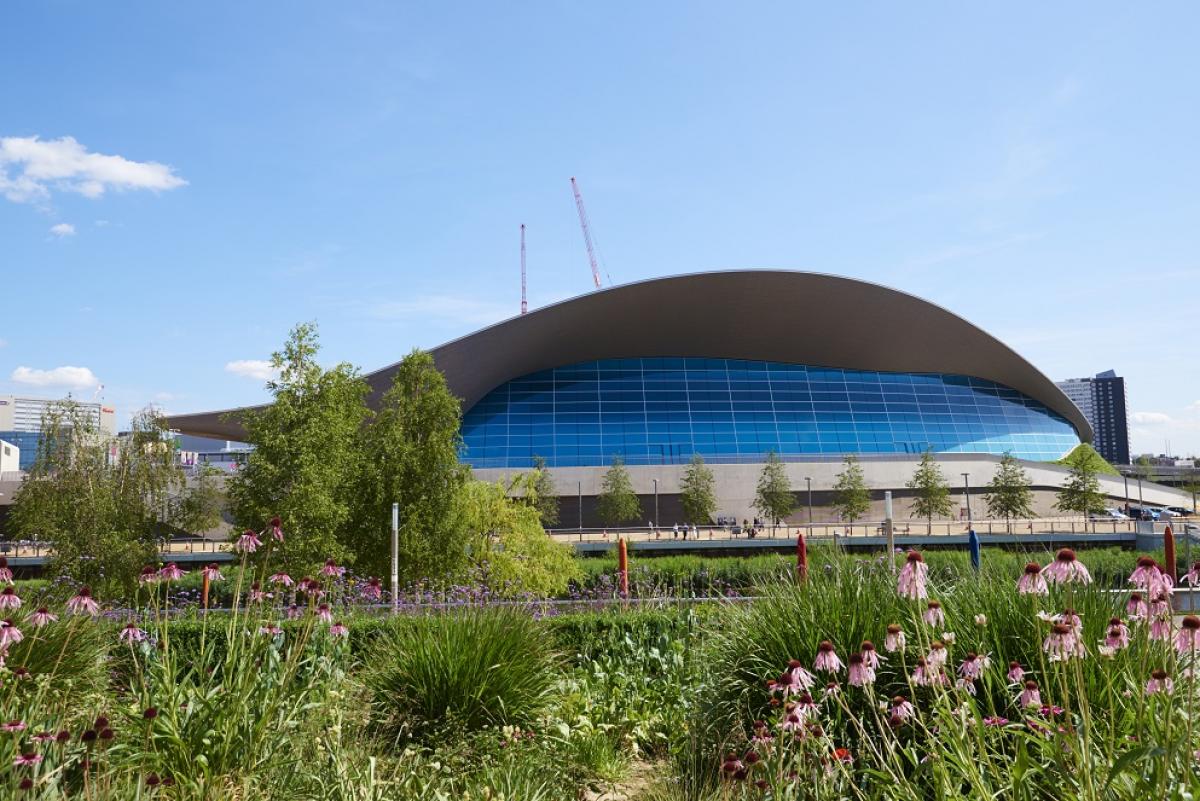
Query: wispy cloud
{"x":258,"y":369}
{"x":1150,"y":418}
{"x":31,"y":168}
{"x":62,"y":230}
{"x":66,"y":376}
{"x":442,"y":308}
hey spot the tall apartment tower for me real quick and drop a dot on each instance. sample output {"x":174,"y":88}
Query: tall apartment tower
{"x":1102,"y":401}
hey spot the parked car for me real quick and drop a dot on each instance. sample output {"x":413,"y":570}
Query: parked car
{"x":1143,"y":513}
{"x":1109,"y":514}
{"x":1179,"y":510}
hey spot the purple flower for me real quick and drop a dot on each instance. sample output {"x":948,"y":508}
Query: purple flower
{"x":131,"y":633}
{"x":339,"y":630}
{"x":212,"y":572}
{"x":248,"y":542}
{"x":331,"y":569}
{"x":9,"y":634}
{"x":934,"y":616}
{"x":894,"y":641}
{"x":1030,"y":696}
{"x":42,"y":617}
{"x":5,"y":572}
{"x":911,"y":582}
{"x":9,"y":599}
{"x":860,"y":675}
{"x":1188,"y":638}
{"x":26,"y":758}
{"x":13,"y":725}
{"x":170,"y":572}
{"x":1032,"y":582}
{"x":1159,"y":682}
{"x":277,"y":529}
{"x":827,"y":659}
{"x":1016,"y":673}
{"x":281,"y":578}
{"x":1067,"y":569}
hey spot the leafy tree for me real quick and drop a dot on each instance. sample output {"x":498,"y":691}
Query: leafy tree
{"x":306,"y":454}
{"x":410,"y":457}
{"x":618,"y":503}
{"x":1085,"y":451}
{"x":509,"y":548}
{"x":104,"y":510}
{"x":851,"y":498}
{"x":697,"y":492}
{"x":544,"y":495}
{"x":1009,"y":494}
{"x":1081,"y":491}
{"x":931,"y":492}
{"x":774,"y":499}
{"x":199,"y":509}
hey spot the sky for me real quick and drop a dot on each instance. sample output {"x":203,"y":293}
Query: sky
{"x":181,"y":183}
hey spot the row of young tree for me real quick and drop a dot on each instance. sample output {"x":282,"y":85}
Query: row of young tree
{"x":325,"y":463}
{"x":1009,"y":494}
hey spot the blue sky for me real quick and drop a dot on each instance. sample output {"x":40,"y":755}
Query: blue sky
{"x":366,"y":165}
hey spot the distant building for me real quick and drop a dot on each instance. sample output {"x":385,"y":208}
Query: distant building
{"x":10,"y":457}
{"x":1102,"y":401}
{"x":21,"y":422}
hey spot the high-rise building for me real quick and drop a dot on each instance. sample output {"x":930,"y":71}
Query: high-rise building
{"x":21,"y":421}
{"x":1102,"y":401}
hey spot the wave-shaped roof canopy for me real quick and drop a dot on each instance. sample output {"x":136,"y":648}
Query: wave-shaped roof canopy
{"x":768,"y":315}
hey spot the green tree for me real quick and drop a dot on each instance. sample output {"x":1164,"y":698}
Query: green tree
{"x":545,"y":497}
{"x":617,"y":503}
{"x":1009,"y":494}
{"x":199,"y":509}
{"x":508,"y":546}
{"x":851,"y":498}
{"x":1085,"y":451}
{"x":931,"y":492}
{"x":105,"y":503}
{"x":773,"y":498}
{"x":410,"y":457}
{"x":306,"y":454}
{"x":1081,"y":491}
{"x":697,"y":492}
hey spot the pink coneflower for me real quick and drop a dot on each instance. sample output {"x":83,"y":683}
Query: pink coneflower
{"x":1067,"y":569}
{"x":937,"y":654}
{"x":1159,"y":682}
{"x":1160,"y":628}
{"x":312,"y":588}
{"x":42,"y":617}
{"x":270,"y":630}
{"x":827,"y":660}
{"x":212,"y":572}
{"x":794,"y":679}
{"x":324,"y":614}
{"x":911,"y":582}
{"x":149,"y":575}
{"x":1063,"y":643}
{"x":927,"y":675}
{"x":860,"y":674}
{"x":733,"y":767}
{"x":83,"y":603}
{"x":934,"y":616}
{"x":1032,"y":582}
{"x":248,"y":542}
{"x":339,"y":630}
{"x":793,"y":719}
{"x":1192,"y":576}
{"x":1137,"y":608}
{"x":331,"y":569}
{"x":1030,"y":696}
{"x":1149,"y":576}
{"x":973,"y":666}
{"x":277,"y":529}
{"x":256,"y":593}
{"x":1118,"y":634}
{"x":1069,"y":617}
{"x":281,"y":578}
{"x":9,"y":634}
{"x":870,"y":656}
{"x":26,"y":758}
{"x":44,"y":737}
{"x":294,"y":612}
{"x":1189,"y":634}
{"x":5,"y":572}
{"x":170,"y":572}
{"x":1160,"y":605}
{"x":902,"y":708}
{"x":894,"y":641}
{"x":373,"y":589}
{"x":131,"y":633}
{"x":995,"y":720}
{"x":1016,"y":673}
{"x":13,"y":725}
{"x":9,"y":599}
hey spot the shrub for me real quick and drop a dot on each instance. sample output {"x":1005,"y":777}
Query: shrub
{"x":476,"y":668}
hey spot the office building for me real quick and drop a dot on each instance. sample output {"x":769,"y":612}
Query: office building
{"x":1101,"y":398}
{"x":21,"y":421}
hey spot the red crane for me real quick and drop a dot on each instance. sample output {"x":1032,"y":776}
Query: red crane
{"x":524,"y":305}
{"x":587,"y":233}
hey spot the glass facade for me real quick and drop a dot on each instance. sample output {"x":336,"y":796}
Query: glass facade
{"x":28,"y":442}
{"x":662,"y":410}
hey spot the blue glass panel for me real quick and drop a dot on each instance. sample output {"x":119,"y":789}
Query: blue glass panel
{"x":662,"y":409}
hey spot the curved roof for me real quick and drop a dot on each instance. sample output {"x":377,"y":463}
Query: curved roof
{"x":758,"y":315}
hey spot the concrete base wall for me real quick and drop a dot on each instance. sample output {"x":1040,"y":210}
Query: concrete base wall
{"x":736,"y":484}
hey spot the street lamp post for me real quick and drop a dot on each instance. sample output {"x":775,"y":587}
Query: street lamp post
{"x":579,"y":502}
{"x":808,"y":481}
{"x":655,"y":480}
{"x":967,"y":496}
{"x":1125,"y":476}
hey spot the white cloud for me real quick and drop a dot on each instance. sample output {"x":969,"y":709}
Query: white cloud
{"x":31,"y":167}
{"x":70,"y":377}
{"x":251,"y":368}
{"x":63,"y":229}
{"x":1150,"y":418}
{"x":443,"y":308}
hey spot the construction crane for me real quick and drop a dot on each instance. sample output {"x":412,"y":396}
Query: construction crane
{"x":524,"y":304}
{"x":587,"y":233}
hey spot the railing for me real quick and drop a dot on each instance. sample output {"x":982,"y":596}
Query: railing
{"x":20,"y":549}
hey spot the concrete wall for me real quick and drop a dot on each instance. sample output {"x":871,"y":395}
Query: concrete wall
{"x":736,"y":486}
